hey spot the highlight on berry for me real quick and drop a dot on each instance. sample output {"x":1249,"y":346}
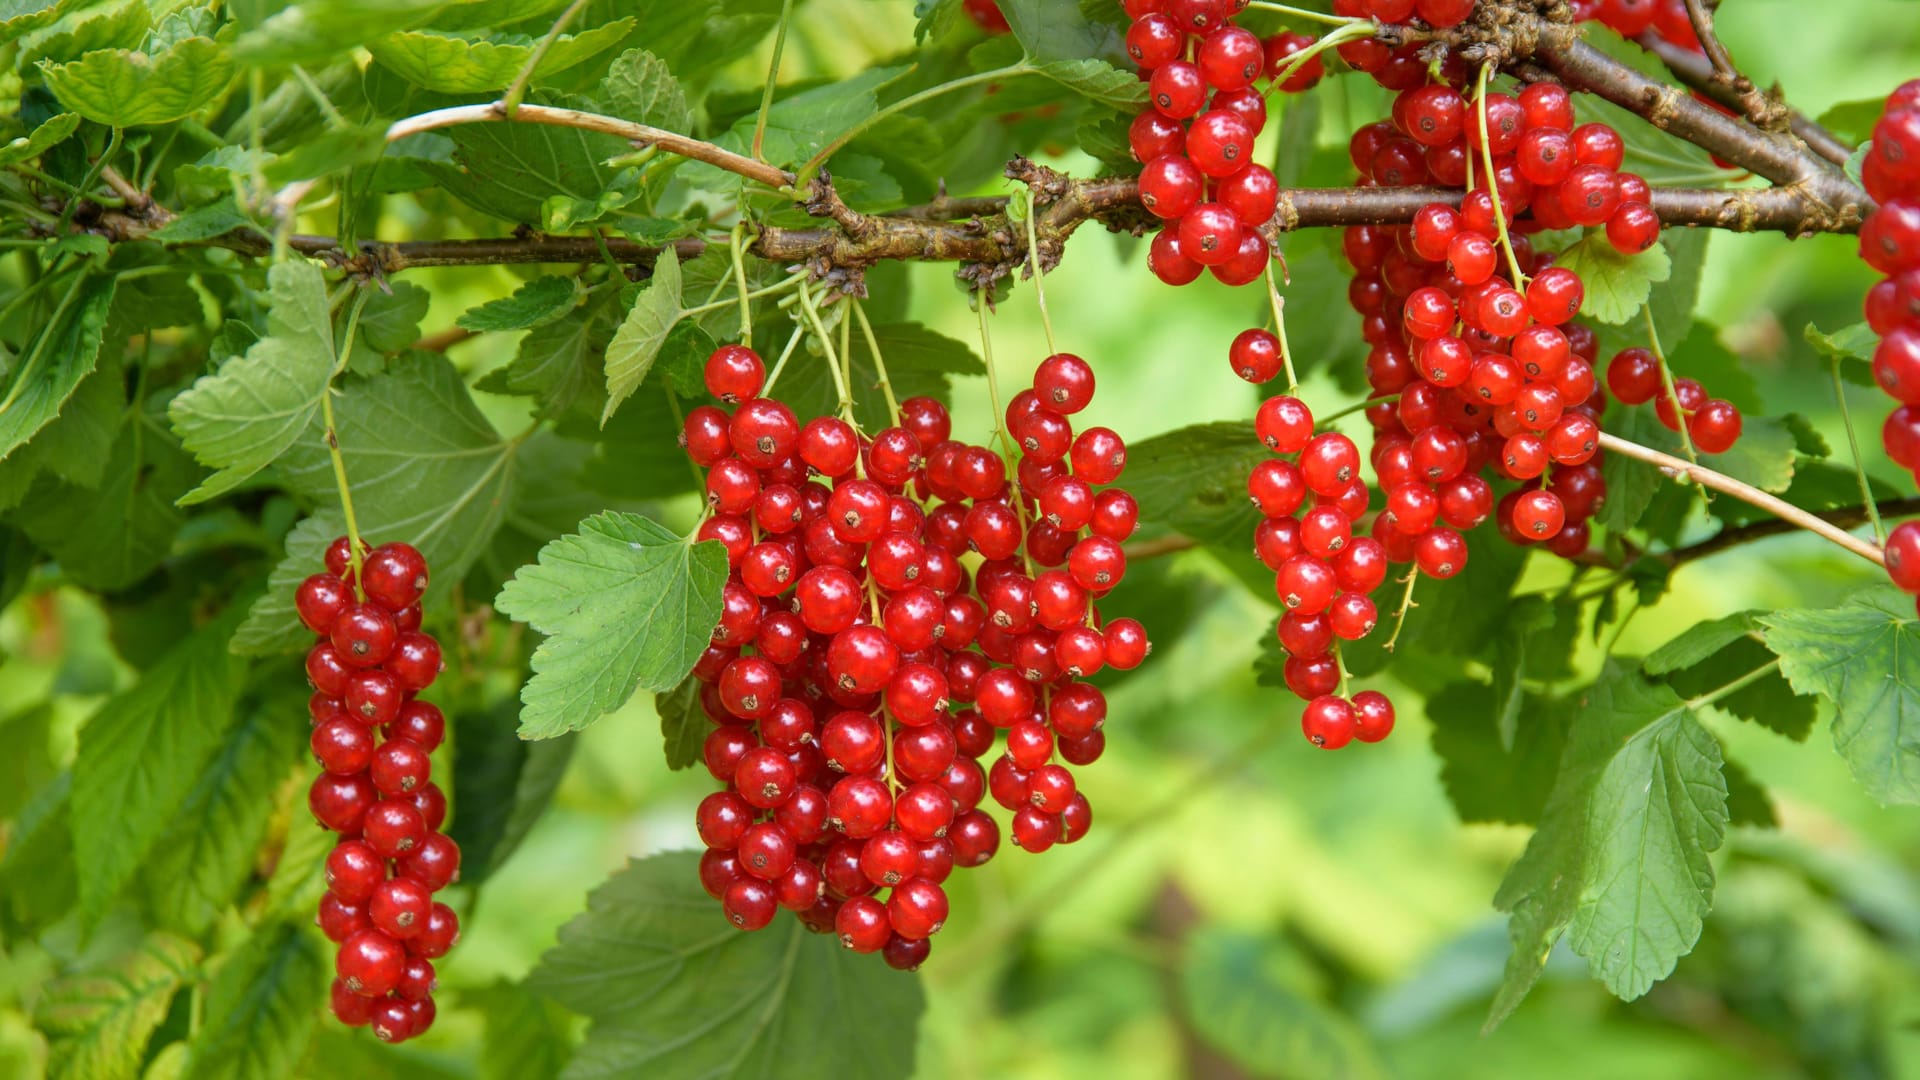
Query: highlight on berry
{"x":586,"y":538}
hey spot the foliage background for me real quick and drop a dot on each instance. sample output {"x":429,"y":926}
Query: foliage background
{"x":1244,"y":902}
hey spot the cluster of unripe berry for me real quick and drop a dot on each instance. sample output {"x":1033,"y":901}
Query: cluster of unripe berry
{"x":373,"y":739}
{"x":1890,"y":243}
{"x":894,"y":603}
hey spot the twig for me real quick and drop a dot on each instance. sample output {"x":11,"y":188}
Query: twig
{"x":1705,"y":477}
{"x":517,"y":90}
{"x":1757,"y":107}
{"x":1693,"y":69}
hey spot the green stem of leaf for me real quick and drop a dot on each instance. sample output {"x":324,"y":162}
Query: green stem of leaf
{"x":826,"y":346}
{"x":1667,"y":387}
{"x":879,"y":364}
{"x":1493,"y":189}
{"x":734,"y":245}
{"x":1859,"y":466}
{"x":93,"y":174}
{"x":333,"y":442}
{"x":980,"y":298}
{"x":1033,"y":262}
{"x":766,"y":290}
{"x":807,"y":171}
{"x":1358,"y":406}
{"x":517,"y":90}
{"x":773,"y":77}
{"x":780,"y":365}
{"x":1305,"y":15}
{"x":1734,"y":687}
{"x":1354,"y":30}
{"x":319,"y":98}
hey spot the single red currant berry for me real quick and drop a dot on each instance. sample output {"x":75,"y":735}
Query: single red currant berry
{"x":320,"y":600}
{"x":393,"y":828}
{"x":1328,"y":722}
{"x":1171,"y":185}
{"x":734,"y":373}
{"x":1903,"y":556}
{"x":399,"y":766}
{"x":342,"y":745}
{"x":363,"y":635}
{"x":341,"y":802}
{"x":1373,"y":716}
{"x":400,"y":907}
{"x":414,"y":662}
{"x":435,"y":863}
{"x":1126,"y":644}
{"x":442,"y":931}
{"x":1177,"y":89}
{"x":1219,"y":143}
{"x":370,"y":963}
{"x":749,"y":904}
{"x":1210,"y":233}
{"x":394,"y":576}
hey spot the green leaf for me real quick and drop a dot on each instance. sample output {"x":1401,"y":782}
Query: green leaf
{"x":390,"y":322}
{"x":1522,"y":650}
{"x":1672,"y":305}
{"x":536,"y":303}
{"x":1457,"y":616}
{"x":1194,"y":480}
{"x":1701,"y":356}
{"x":1700,"y":642}
{"x":1848,"y":344}
{"x":1617,"y":285}
{"x":1621,"y":855}
{"x":261,"y":1009}
{"x":1765,"y":457}
{"x":1485,"y":782}
{"x":638,"y":87}
{"x":1252,"y":999}
{"x":451,"y":64}
{"x":799,"y":124}
{"x":1747,"y":801}
{"x":683,"y":724}
{"x":243,"y":418}
{"x":1096,"y":79}
{"x":316,"y":29}
{"x":63,"y":354}
{"x":146,"y":472}
{"x":142,"y":753}
{"x":526,"y":1036}
{"x":625,"y":964}
{"x":208,"y":851}
{"x":21,"y":17}
{"x":638,"y":341}
{"x":509,"y":170}
{"x":328,"y":152}
{"x":77,"y":444}
{"x":202,"y":223}
{"x":620,"y":570}
{"x":502,"y":784}
{"x":1853,"y":121}
{"x":563,"y":361}
{"x":43,"y":137}
{"x":300,"y":875}
{"x":1861,"y":656}
{"x":1102,"y":133}
{"x":100,"y":1021}
{"x":120,"y":88}
{"x":1768,"y":701}
{"x":1054,"y":30}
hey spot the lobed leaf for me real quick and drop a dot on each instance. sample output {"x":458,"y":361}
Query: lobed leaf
{"x":101,"y":1020}
{"x":635,"y":345}
{"x":536,"y":303}
{"x":1246,"y":997}
{"x":451,"y":64}
{"x":1617,"y":285}
{"x":122,"y":88}
{"x":625,"y":605}
{"x":63,"y":354}
{"x":261,"y":1008}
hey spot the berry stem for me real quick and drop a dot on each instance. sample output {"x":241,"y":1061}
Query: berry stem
{"x":1354,"y":29}
{"x":1406,"y":605}
{"x":799,"y":329}
{"x":1033,"y":261}
{"x":1341,"y":663}
{"x":879,"y":364}
{"x":773,"y":77}
{"x":981,"y":297}
{"x":333,"y":443}
{"x":1667,"y":387}
{"x":1705,"y":477}
{"x":765,"y":290}
{"x":1853,"y":445}
{"x":1280,"y":330}
{"x":734,"y":245}
{"x":1326,"y":422}
{"x":1493,"y":188}
{"x":1305,"y":15}
{"x":517,"y":90}
{"x":826,"y":345}
{"x":806,"y":172}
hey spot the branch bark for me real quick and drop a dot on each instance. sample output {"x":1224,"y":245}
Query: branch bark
{"x":1696,"y":72}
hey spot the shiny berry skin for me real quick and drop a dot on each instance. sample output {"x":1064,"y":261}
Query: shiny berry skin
{"x":1210,"y":234}
{"x":442,"y":930}
{"x":828,"y":446}
{"x":348,"y":1007}
{"x":399,"y":766}
{"x":1373,"y":716}
{"x":1328,"y":722}
{"x":394,"y":575}
{"x":1441,"y":553}
{"x":706,"y":437}
{"x":1168,"y":261}
{"x":400,"y":907}
{"x":1283,"y":424}
{"x":1155,"y":40}
{"x":320,"y":600}
{"x":1555,"y":295}
{"x":1151,"y":135}
{"x":1127,"y":644}
{"x":414,"y":662}
{"x":1063,"y":384}
{"x":342,"y":745}
{"x":749,"y":904}
{"x":1633,"y":376}
{"x":1171,"y":185}
{"x":393,"y":828}
{"x":1035,"y":830}
{"x":341,"y":802}
{"x":1329,"y":463}
{"x":1714,"y":427}
{"x":1538,"y":515}
{"x":764,"y":432}
{"x":370,"y":963}
{"x":354,"y":871}
{"x":1633,"y":228}
{"x":1903,"y":556}
{"x":1177,"y":89}
{"x":435,"y":863}
{"x":363,"y":635}
{"x":338,"y":556}
{"x":862,"y":925}
{"x":1231,"y":58}
{"x":1219,"y":143}
{"x":734,"y":373}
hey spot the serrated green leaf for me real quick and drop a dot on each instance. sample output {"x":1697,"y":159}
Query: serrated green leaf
{"x":146,"y":472}
{"x":1620,"y":857}
{"x":1052,"y":30}
{"x":1853,"y":121}
{"x":22,"y":17}
{"x":502,"y":784}
{"x":1699,"y":642}
{"x":120,"y":88}
{"x":683,"y":724}
{"x":1249,"y":998}
{"x":331,"y":151}
{"x":1672,"y":305}
{"x":1457,"y":616}
{"x":452,"y":64}
{"x":120,"y":28}
{"x":1747,"y":800}
{"x":1847,"y":344}
{"x":241,"y":419}
{"x":635,"y":345}
{"x":1102,"y":133}
{"x":76,"y":445}
{"x":43,"y":137}
{"x":1521,"y":649}
{"x":300,"y":875}
{"x":1861,"y":656}
{"x":1768,"y":701}
{"x":312,"y":30}
{"x":66,"y":350}
{"x":209,"y":848}
{"x":1764,"y":457}
{"x":100,"y":1021}
{"x":203,"y":223}
{"x":536,"y":303}
{"x":1617,"y":285}
{"x":1096,"y":80}
{"x":933,"y":17}
{"x":262,"y":1007}
{"x":1194,"y":480}
{"x":562,"y":213}
{"x":390,"y":322}
{"x":141,"y":754}
{"x":526,"y":1035}
{"x":1484,"y":782}
{"x":623,"y":964}
{"x":1700,"y":356}
{"x":563,"y":362}
{"x":620,"y":570}
{"x":639,"y":87}
{"x":798,"y":125}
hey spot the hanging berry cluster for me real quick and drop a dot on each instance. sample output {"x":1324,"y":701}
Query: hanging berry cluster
{"x":373,"y":739}
{"x":851,"y":624}
{"x":1890,"y":243}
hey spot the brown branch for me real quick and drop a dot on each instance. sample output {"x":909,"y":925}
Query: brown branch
{"x":1694,"y":70}
{"x":1764,"y":113}
{"x":1847,"y":517}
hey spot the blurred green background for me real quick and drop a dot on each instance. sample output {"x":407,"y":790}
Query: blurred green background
{"x":1329,"y":912}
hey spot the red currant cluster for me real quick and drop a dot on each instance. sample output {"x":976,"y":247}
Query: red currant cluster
{"x":850,"y":624}
{"x":1200,"y":177}
{"x":377,"y":792}
{"x":1322,"y":571}
{"x":1890,"y":243}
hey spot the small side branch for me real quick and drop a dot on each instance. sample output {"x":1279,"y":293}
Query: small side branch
{"x":1694,"y":70}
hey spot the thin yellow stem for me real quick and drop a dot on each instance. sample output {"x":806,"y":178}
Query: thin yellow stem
{"x":1406,"y":605}
{"x":993,"y":381}
{"x":333,"y":442}
{"x":1280,"y":329}
{"x":517,"y":91}
{"x":879,"y":364}
{"x":1493,"y":187}
{"x":1667,"y":388}
{"x":1033,"y":261}
{"x":1859,"y":466}
{"x":734,"y":245}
